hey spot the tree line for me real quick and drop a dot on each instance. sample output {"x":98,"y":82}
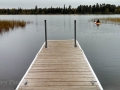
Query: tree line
{"x":81,"y":9}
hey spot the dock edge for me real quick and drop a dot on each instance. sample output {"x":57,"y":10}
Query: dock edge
{"x":29,"y":67}
{"x":90,"y":66}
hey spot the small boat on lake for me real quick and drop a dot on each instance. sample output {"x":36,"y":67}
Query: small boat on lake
{"x":97,"y":22}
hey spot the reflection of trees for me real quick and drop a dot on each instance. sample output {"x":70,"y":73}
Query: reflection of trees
{"x":6,"y":25}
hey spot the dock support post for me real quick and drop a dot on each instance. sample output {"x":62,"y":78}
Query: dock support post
{"x":45,"y":35}
{"x":75,"y":33}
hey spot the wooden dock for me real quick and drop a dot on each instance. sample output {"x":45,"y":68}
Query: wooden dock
{"x":60,"y":66}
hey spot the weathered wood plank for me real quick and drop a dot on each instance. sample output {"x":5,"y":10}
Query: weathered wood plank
{"x":59,"y":73}
{"x":59,"y":70}
{"x":46,"y":84}
{"x":30,"y":76}
{"x":61,"y":88}
{"x":59,"y":80}
{"x":58,"y":65}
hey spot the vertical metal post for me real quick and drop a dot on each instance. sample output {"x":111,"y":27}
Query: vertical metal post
{"x":75,"y":33}
{"x":45,"y":35}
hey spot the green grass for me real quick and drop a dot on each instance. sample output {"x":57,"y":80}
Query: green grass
{"x":11,"y":24}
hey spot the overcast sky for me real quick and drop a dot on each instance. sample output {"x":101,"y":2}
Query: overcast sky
{"x":49,"y":3}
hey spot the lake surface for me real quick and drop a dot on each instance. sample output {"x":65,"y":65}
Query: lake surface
{"x":101,"y":45}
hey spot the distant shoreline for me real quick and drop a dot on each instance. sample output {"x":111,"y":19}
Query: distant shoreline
{"x":59,"y":14}
{"x":81,"y":9}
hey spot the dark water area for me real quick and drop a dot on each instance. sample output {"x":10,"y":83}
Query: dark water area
{"x":101,"y":43}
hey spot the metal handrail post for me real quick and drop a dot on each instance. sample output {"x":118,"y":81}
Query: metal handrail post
{"x":45,"y":35}
{"x":75,"y":33}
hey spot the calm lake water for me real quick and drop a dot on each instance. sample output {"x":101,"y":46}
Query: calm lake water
{"x":101,"y":45}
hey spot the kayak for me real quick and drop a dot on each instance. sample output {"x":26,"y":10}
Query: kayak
{"x":97,"y":23}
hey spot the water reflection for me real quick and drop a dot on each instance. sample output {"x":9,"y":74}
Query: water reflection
{"x":97,"y":25}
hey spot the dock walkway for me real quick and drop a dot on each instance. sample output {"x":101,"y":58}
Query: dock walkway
{"x":60,"y":66}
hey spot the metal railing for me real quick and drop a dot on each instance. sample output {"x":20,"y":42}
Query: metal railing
{"x":45,"y":35}
{"x":75,"y":33}
{"x":75,"y":45}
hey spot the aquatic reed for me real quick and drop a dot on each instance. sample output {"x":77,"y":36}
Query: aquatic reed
{"x":109,"y":20}
{"x":11,"y":24}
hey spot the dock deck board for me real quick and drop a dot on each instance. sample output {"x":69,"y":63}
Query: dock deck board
{"x":60,"y":66}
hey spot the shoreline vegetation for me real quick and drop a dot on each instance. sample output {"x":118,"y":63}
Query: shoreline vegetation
{"x":81,"y":9}
{"x":6,"y":25}
{"x":115,"y":20}
{"x":108,"y":20}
